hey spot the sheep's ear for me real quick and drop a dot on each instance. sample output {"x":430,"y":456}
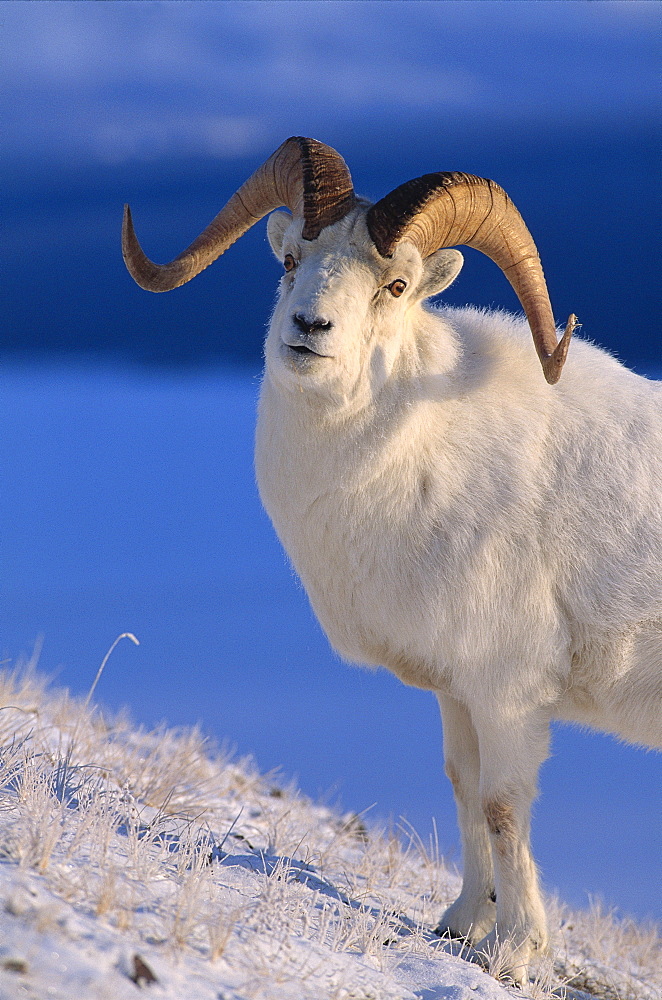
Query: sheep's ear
{"x":440,"y":269}
{"x":277,"y":224}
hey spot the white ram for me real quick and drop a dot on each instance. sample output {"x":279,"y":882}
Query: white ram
{"x":453,"y":516}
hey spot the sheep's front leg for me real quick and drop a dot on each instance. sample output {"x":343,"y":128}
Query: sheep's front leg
{"x":511,"y":752}
{"x":473,"y":913}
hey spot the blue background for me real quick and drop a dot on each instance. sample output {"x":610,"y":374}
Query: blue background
{"x":128,"y":500}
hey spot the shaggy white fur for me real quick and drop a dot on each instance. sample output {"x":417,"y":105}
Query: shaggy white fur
{"x":478,"y":532}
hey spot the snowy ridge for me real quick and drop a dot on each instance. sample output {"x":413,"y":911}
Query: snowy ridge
{"x":134,"y":860}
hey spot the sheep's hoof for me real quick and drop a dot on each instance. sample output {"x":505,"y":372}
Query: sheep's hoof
{"x":467,"y":923}
{"x":442,"y":931}
{"x":505,"y":959}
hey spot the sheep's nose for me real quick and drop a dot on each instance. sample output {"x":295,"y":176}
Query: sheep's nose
{"x":316,"y":325}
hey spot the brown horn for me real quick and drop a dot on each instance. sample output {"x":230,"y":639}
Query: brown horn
{"x":451,"y":209}
{"x":308,"y":177}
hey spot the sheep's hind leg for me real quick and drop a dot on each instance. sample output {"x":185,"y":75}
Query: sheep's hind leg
{"x":511,"y":752}
{"x":473,"y":913}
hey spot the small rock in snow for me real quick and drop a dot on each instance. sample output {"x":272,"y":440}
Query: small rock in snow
{"x":142,"y":974}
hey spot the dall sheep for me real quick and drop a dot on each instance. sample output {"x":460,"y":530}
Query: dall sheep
{"x":453,"y":516}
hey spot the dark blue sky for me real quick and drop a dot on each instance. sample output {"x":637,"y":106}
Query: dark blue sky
{"x":114,"y":82}
{"x":171,"y":105}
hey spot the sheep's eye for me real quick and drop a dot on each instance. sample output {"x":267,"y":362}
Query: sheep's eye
{"x":289,"y":262}
{"x":397,"y":287}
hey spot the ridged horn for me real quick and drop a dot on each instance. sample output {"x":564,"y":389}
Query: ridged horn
{"x":453,"y":209}
{"x":304,"y":175}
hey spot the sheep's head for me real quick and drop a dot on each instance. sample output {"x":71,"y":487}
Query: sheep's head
{"x":343,"y":309}
{"x":354,"y":262}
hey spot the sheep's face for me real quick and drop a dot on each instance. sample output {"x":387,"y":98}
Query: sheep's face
{"x":343,"y":311}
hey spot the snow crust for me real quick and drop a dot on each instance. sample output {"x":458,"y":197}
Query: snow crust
{"x":149,"y":861}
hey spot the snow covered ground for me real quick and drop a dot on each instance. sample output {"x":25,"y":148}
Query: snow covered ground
{"x":134,"y":860}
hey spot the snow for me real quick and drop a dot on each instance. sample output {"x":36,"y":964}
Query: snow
{"x":149,"y":860}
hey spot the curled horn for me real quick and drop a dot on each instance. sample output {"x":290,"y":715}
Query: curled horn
{"x":306,"y":176}
{"x":451,"y":209}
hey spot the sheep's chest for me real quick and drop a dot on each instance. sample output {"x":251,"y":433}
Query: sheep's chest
{"x":355,"y":543}
{"x":354,"y":569}
{"x":401,"y":565}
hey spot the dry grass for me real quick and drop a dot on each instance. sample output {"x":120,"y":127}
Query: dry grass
{"x":173,"y":846}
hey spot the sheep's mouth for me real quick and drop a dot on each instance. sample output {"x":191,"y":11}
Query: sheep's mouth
{"x":303,"y":351}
